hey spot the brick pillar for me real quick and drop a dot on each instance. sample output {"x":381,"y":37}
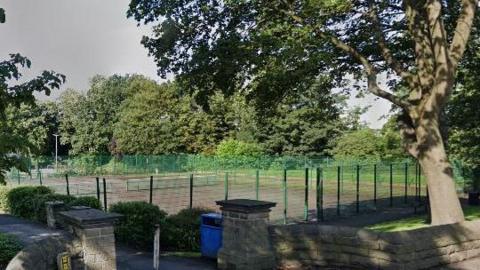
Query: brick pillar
{"x":246,"y":244}
{"x":94,"y":228}
{"x":53,"y":208}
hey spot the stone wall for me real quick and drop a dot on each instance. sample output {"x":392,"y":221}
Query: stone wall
{"x":310,"y":245}
{"x":42,"y":255}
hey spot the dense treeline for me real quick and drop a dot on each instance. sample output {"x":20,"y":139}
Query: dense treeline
{"x":135,"y":115}
{"x":132,"y":114}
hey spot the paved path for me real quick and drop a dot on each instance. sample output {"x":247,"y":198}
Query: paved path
{"x":127,"y":258}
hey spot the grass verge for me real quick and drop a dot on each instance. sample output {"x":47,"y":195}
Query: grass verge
{"x":420,"y":221}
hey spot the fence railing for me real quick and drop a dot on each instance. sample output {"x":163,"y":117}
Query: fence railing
{"x":311,"y":191}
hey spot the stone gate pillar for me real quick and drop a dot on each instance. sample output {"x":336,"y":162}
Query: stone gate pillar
{"x":94,"y":228}
{"x":245,"y":244}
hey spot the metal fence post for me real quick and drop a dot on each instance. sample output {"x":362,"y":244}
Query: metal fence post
{"x":406,"y":182}
{"x":156,"y":248}
{"x":226,"y":185}
{"x":285,"y":199}
{"x":68,"y":184}
{"x":98,"y":189}
{"x":40,"y":177}
{"x":419,"y":181}
{"x":257,"y":184}
{"x":305,"y":214}
{"x":358,"y":189}
{"x":416,"y":182}
{"x":391,"y":184}
{"x":427,"y":202}
{"x":18,"y":176}
{"x":191,"y":191}
{"x":105,"y":195}
{"x":375,"y":184}
{"x":319,"y":195}
{"x":151,"y":190}
{"x":338,"y":190}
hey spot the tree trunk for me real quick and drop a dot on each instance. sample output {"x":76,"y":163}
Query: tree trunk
{"x":444,"y":202}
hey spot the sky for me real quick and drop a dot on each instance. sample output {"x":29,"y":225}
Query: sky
{"x":82,"y":38}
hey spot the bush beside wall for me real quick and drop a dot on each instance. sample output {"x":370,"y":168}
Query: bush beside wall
{"x":29,"y":201}
{"x":21,"y":201}
{"x":137,"y":228}
{"x":183,"y":229}
{"x":179,"y":232}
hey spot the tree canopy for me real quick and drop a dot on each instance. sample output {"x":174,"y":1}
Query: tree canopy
{"x":269,"y":49}
{"x":12,"y":95}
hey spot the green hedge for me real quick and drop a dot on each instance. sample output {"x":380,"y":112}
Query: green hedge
{"x":29,"y":201}
{"x":137,"y":228}
{"x":21,"y":201}
{"x":9,"y":247}
{"x":183,"y":229}
{"x":180,"y":232}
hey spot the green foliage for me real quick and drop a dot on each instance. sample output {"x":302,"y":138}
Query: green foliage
{"x":3,"y":198}
{"x":37,"y":123}
{"x":463,"y":114}
{"x":9,"y":247}
{"x":235,"y":148}
{"x":362,"y":144}
{"x":183,"y":229}
{"x":87,"y":121}
{"x":303,"y":124}
{"x":147,"y":120}
{"x":137,"y":228}
{"x":12,"y":145}
{"x":391,"y":141}
{"x":21,"y":201}
{"x":29,"y":201}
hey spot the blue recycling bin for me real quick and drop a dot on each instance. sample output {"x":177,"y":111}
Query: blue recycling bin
{"x":210,"y":234}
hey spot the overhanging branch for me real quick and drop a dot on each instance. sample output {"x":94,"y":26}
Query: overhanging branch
{"x":370,"y":70}
{"x":462,"y":31}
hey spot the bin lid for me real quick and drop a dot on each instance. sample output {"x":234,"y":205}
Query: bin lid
{"x":212,"y":215}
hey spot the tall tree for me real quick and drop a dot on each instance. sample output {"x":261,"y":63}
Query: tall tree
{"x":303,"y":124}
{"x":272,"y":48}
{"x":87,"y":121}
{"x":147,"y":120}
{"x":37,"y":123}
{"x":14,"y":93}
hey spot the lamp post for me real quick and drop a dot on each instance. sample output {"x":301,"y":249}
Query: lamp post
{"x":56,"y":151}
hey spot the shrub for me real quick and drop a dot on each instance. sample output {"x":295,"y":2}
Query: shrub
{"x":3,"y":198}
{"x":29,"y":202}
{"x":21,"y":200}
{"x":182,"y":231}
{"x":234,"y":148}
{"x":9,"y":247}
{"x":39,"y":208}
{"x":89,"y":201}
{"x":137,"y":228}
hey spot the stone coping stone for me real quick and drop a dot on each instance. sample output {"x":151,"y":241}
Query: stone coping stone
{"x":89,"y":217}
{"x":246,"y":205}
{"x":55,"y":203}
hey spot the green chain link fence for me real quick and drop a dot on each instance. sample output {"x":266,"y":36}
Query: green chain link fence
{"x":303,"y":188}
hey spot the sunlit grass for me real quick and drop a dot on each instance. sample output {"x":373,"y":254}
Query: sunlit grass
{"x":420,"y":221}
